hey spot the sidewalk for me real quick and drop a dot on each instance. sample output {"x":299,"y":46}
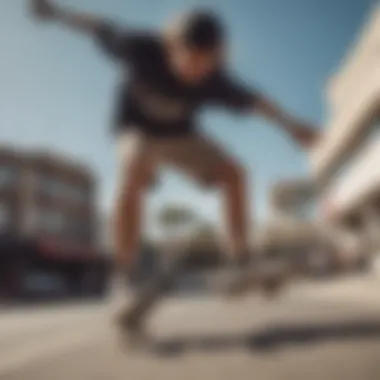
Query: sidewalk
{"x":358,"y":289}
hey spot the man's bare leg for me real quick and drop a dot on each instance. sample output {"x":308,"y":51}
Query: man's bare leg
{"x":127,"y":227}
{"x":236,"y":206}
{"x":127,"y":231}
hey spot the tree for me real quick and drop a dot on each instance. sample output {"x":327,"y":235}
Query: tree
{"x":172,"y":215}
{"x":197,"y":238}
{"x":174,"y":218}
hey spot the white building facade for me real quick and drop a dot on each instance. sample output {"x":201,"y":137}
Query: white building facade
{"x":347,"y":161}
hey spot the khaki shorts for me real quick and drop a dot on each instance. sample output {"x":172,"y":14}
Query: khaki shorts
{"x":196,"y":156}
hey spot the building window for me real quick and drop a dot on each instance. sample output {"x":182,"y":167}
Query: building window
{"x":7,"y":175}
{"x":52,"y":222}
{"x":31,"y":220}
{"x":4,"y":217}
{"x":57,"y":188}
{"x":78,"y":194}
{"x":46,"y":221}
{"x":48,"y":185}
{"x":65,"y":226}
{"x":79,"y":231}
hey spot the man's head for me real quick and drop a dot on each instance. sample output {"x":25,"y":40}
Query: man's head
{"x":196,"y":45}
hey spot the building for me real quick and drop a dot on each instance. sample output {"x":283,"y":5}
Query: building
{"x":43,"y":194}
{"x":339,"y":206}
{"x":49,"y":228}
{"x":292,"y":207}
{"x":346,"y":164}
{"x":293,"y":199}
{"x":292,"y":229}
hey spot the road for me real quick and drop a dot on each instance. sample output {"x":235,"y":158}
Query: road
{"x":313,"y":331}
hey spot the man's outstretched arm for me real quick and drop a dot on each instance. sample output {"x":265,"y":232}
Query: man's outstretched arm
{"x":46,"y":10}
{"x":303,"y":133}
{"x":234,"y":95}
{"x":113,"y":40}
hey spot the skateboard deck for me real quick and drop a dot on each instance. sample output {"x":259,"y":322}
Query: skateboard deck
{"x":271,"y":282}
{"x":242,"y":282}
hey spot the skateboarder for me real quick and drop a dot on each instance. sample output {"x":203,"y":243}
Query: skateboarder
{"x":172,"y":74}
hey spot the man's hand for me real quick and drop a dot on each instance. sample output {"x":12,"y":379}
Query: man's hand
{"x":305,"y":135}
{"x":43,"y":9}
{"x":46,"y":10}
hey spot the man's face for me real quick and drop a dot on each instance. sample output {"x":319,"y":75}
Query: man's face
{"x":192,"y":65}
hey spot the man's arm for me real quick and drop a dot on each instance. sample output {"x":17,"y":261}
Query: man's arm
{"x":234,"y":95}
{"x":303,"y":133}
{"x":46,"y":10}
{"x":113,"y":40}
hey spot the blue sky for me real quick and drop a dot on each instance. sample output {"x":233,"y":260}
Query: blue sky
{"x":56,"y":88}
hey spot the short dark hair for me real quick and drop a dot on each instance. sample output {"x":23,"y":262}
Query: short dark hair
{"x":202,"y":30}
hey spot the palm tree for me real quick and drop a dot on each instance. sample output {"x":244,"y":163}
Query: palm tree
{"x":185,"y":230}
{"x":175,"y":221}
{"x":173,"y":217}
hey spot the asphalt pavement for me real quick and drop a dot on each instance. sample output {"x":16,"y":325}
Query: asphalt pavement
{"x":315,"y":330}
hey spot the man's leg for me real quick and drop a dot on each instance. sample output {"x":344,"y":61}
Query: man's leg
{"x":135,"y":173}
{"x":215,"y":166}
{"x":183,"y":154}
{"x":207,"y":163}
{"x":233,"y":181}
{"x":210,"y":164}
{"x":139,"y":159}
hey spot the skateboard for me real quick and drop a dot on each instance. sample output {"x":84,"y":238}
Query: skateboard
{"x":270,"y":282}
{"x":135,"y":338}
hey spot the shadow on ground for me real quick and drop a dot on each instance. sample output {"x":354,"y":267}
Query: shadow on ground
{"x":272,"y":338}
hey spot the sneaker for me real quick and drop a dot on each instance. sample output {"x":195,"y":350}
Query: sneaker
{"x":132,"y":331}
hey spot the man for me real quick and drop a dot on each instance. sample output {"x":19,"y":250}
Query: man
{"x":171,"y":76}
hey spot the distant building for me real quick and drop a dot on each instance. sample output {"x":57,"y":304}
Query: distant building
{"x":346,"y":164}
{"x":43,"y":194}
{"x":49,"y":232}
{"x":292,"y":224}
{"x":293,"y":199}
